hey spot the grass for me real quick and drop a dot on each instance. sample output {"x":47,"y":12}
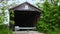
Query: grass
{"x":4,"y":29}
{"x":53,"y":32}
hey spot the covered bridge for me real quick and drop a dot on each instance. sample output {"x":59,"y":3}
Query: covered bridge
{"x":25,"y":16}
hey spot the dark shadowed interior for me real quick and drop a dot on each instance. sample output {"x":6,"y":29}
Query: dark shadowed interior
{"x":26,"y":18}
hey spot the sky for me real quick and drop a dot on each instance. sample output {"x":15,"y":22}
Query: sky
{"x":21,"y":1}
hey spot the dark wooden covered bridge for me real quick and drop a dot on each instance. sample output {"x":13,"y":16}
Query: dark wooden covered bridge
{"x":26,"y":15}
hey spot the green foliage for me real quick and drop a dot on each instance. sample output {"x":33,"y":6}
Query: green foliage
{"x":12,"y":16}
{"x":12,"y":22}
{"x":12,"y":13}
{"x":50,"y":19}
{"x":53,"y":32}
{"x":5,"y":30}
{"x":2,"y":16}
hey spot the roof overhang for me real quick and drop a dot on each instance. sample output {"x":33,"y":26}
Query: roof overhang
{"x":26,"y":7}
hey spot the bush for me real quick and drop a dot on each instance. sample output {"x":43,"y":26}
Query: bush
{"x":5,"y":30}
{"x":50,"y":17}
{"x":53,"y":32}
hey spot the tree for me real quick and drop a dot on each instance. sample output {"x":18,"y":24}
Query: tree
{"x":4,"y":29}
{"x":50,"y":18}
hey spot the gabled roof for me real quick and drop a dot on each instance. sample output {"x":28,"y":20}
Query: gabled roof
{"x":26,"y":6}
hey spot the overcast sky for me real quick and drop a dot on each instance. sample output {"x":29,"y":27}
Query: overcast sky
{"x":21,"y":1}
